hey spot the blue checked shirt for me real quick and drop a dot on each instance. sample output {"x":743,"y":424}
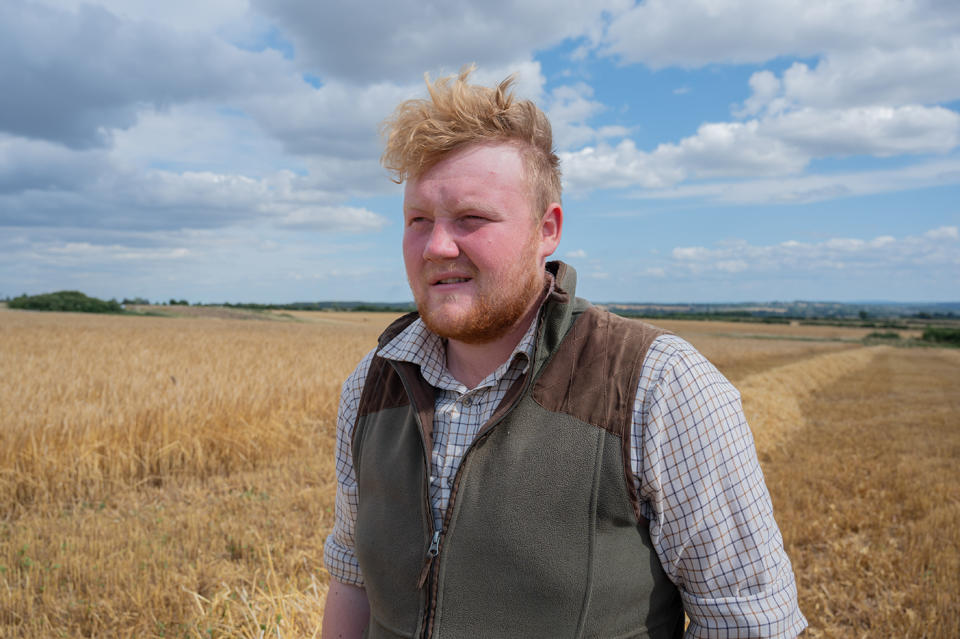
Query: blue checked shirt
{"x":694,"y":464}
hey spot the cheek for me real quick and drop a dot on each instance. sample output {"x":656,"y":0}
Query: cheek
{"x":410,"y":247}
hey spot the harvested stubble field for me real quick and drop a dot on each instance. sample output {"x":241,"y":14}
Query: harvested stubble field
{"x":172,"y":477}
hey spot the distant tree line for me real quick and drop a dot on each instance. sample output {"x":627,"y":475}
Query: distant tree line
{"x":942,"y":335}
{"x":388,"y":307}
{"x":75,"y":301}
{"x":71,"y":301}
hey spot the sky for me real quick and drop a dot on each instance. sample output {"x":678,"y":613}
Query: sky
{"x":712,"y":150}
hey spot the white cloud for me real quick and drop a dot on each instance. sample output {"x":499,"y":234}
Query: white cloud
{"x":576,"y":254}
{"x":880,"y":69}
{"x":83,"y":252}
{"x":731,"y":266}
{"x":690,"y":253}
{"x":774,"y":145}
{"x":730,"y":149}
{"x":694,"y":33}
{"x":200,"y":136}
{"x":332,"y":218}
{"x":875,"y":130}
{"x":398,"y":40}
{"x":937,"y":248}
{"x":110,"y":68}
{"x":765,"y":87}
{"x":916,"y":74}
{"x":569,"y":108}
{"x":181,"y":14}
{"x":943,"y":233}
{"x":336,"y":119}
{"x":815,"y":188}
{"x":624,"y":165}
{"x":42,"y":184}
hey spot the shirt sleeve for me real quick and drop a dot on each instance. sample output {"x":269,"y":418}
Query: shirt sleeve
{"x":702,"y":490}
{"x":338,"y":551}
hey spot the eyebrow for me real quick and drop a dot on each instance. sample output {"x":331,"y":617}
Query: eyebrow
{"x":465,"y":205}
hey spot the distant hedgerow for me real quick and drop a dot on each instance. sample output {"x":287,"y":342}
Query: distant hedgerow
{"x":942,"y":335}
{"x":71,"y":301}
{"x":883,"y":335}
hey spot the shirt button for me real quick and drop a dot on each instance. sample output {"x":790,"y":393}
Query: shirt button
{"x":467,"y":401}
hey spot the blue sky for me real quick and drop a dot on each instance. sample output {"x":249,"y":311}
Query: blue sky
{"x":712,"y":150}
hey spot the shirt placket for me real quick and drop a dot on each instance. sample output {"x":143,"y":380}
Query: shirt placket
{"x":457,"y":420}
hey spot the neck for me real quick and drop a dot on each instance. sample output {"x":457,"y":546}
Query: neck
{"x":470,"y":364}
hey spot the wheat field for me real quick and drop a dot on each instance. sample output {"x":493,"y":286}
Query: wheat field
{"x":173,"y":477}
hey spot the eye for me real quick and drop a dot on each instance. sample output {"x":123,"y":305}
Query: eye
{"x":473,"y":219}
{"x":416,"y":220}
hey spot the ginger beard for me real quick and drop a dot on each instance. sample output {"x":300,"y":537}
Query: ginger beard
{"x":500,"y":300}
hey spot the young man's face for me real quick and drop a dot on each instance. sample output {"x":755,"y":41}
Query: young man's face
{"x":473,"y":247}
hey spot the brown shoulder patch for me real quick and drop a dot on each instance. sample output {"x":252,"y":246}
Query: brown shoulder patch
{"x":593,"y":376}
{"x":382,"y":389}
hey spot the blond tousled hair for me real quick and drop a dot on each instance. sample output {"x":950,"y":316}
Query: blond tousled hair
{"x":420,"y":133}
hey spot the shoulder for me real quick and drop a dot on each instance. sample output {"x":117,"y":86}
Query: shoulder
{"x":352,"y":391}
{"x":616,"y":339}
{"x":674,"y":367}
{"x":355,"y":381}
{"x":593,"y":373}
{"x":371,"y":363}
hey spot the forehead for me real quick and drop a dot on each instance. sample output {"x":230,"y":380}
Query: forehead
{"x":485,"y":173}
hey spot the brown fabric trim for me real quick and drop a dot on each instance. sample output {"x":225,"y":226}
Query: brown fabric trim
{"x":382,"y":389}
{"x":396,"y":327}
{"x":603,"y":355}
{"x":424,"y":400}
{"x":594,"y":375}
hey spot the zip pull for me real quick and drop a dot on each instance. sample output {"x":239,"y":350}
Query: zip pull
{"x":434,"y":545}
{"x":432,"y":553}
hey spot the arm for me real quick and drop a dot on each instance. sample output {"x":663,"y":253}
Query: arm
{"x":701,"y":487}
{"x":346,"y":612}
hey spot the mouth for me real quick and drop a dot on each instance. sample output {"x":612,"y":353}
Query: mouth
{"x":451,"y":280}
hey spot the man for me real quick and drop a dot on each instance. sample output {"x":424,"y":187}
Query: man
{"x":513,"y":462}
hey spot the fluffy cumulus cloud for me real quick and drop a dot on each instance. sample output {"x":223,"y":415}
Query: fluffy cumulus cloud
{"x":694,"y":33}
{"x":392,"y":39}
{"x":570,"y":107}
{"x":778,"y":145}
{"x":55,"y":92}
{"x":882,"y":74}
{"x":164,"y":125}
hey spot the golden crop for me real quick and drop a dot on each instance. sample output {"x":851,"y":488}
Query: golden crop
{"x":173,"y":477}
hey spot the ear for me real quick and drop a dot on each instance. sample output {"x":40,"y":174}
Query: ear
{"x":551,"y":226}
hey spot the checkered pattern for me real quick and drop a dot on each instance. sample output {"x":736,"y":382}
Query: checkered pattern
{"x":694,"y":464}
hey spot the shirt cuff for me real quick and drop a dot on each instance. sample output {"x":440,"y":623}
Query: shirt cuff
{"x":769,"y":614}
{"x":341,"y":563}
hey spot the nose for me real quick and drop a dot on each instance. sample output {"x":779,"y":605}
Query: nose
{"x":441,"y":244}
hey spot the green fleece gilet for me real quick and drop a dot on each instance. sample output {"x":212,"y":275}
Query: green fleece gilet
{"x":543,"y":536}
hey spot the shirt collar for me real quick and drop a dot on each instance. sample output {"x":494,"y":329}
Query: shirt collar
{"x":419,"y":345}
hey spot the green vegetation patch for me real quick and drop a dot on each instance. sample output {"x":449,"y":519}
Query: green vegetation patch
{"x":70,"y":301}
{"x":942,"y":335}
{"x":880,"y":335}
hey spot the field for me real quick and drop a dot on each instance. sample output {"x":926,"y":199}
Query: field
{"x":173,"y":477}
